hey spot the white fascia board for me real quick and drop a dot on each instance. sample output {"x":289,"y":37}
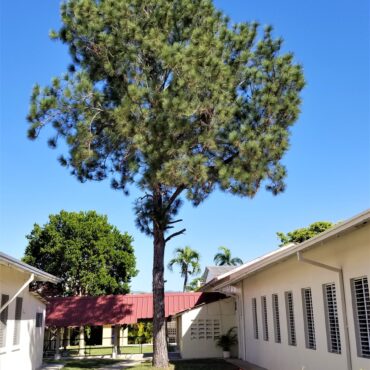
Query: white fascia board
{"x":24,"y":267}
{"x":241,"y":272}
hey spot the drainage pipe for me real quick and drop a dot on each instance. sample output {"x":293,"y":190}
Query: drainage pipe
{"x":339,"y":271}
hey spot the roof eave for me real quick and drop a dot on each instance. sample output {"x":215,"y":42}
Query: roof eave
{"x":243,"y":271}
{"x":24,"y":267}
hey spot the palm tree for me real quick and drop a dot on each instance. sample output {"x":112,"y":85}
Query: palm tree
{"x":224,"y":258}
{"x":188,"y":260}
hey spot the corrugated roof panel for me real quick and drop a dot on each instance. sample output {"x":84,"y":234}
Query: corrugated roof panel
{"x":117,"y":309}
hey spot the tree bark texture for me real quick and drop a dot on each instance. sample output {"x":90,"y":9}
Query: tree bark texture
{"x":160,"y":355}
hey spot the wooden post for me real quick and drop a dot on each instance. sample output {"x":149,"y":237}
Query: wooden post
{"x":81,"y":342}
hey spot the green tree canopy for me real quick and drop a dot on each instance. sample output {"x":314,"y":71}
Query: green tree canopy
{"x":90,"y":256}
{"x":194,"y":284}
{"x":223,"y":258}
{"x":188,"y":261}
{"x":173,"y":97}
{"x":304,"y":233}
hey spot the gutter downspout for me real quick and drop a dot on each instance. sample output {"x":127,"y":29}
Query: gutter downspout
{"x":243,"y":324}
{"x":25,"y":285}
{"x":339,"y":271}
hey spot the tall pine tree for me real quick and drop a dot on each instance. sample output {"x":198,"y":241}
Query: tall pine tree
{"x":170,"y":96}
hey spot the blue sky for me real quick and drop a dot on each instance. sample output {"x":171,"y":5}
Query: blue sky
{"x":328,"y":162}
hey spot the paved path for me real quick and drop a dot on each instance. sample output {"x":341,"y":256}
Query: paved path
{"x":120,"y":365}
{"x":115,"y":366}
{"x":243,"y":365}
{"x":52,"y":367}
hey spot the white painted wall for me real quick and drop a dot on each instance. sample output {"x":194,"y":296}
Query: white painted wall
{"x":351,"y":252}
{"x":223,"y":310}
{"x":28,"y":354}
{"x":107,"y":336}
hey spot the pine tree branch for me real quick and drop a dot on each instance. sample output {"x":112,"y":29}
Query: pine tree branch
{"x":174,"y":234}
{"x":174,"y":195}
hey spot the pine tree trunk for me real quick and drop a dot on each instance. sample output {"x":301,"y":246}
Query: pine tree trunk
{"x":160,"y":355}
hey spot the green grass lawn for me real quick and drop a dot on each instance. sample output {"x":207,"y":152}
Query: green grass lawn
{"x":214,"y":364}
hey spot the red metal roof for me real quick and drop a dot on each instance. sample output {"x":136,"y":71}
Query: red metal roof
{"x":118,"y":309}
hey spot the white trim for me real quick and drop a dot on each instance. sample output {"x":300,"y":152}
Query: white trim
{"x":265,"y":261}
{"x":24,"y":267}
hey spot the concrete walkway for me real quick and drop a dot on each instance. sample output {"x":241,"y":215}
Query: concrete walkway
{"x":51,"y":367}
{"x":120,"y":365}
{"x":243,"y":365}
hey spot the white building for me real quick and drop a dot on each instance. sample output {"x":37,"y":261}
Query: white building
{"x":22,"y":315}
{"x":306,"y":306}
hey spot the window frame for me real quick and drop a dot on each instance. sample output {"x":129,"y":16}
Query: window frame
{"x":17,"y":321}
{"x":265,"y":328}
{"x":289,"y":308}
{"x":4,"y":316}
{"x":308,"y":318}
{"x":332,"y":318}
{"x":276,"y":317}
{"x":359,"y":330}
{"x":255,"y":319}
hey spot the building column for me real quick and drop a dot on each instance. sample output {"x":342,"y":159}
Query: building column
{"x":124,"y":338}
{"x":81,"y":342}
{"x":116,"y":341}
{"x":57,"y":344}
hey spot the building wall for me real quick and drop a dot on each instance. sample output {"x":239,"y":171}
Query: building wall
{"x":351,"y":252}
{"x":28,"y":354}
{"x":107,"y":336}
{"x":223,"y":311}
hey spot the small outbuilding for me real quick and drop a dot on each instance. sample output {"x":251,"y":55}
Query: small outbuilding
{"x":22,"y":315}
{"x":199,"y":328}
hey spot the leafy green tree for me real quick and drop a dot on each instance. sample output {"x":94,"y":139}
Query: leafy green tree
{"x":194,"y":284}
{"x":188,"y":261}
{"x":223,"y":258}
{"x":142,"y":332}
{"x":170,"y":96}
{"x":90,"y":256}
{"x":304,"y":233}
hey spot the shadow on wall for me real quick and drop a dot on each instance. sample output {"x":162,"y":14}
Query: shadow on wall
{"x":202,"y":326}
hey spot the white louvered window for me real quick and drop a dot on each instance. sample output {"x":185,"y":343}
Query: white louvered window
{"x":264,"y":318}
{"x":361,"y":310}
{"x":17,"y":320}
{"x":205,"y":329}
{"x":331,"y":318}
{"x":3,"y":320}
{"x":255,"y":321}
{"x":292,"y":340}
{"x":276,"y":317}
{"x":309,"y":321}
{"x":171,"y":331}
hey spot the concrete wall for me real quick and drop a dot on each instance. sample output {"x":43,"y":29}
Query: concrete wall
{"x":351,"y":252}
{"x":28,"y":354}
{"x":107,"y":336}
{"x":223,"y":310}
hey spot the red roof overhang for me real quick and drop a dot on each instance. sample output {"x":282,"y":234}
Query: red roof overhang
{"x":118,"y":309}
